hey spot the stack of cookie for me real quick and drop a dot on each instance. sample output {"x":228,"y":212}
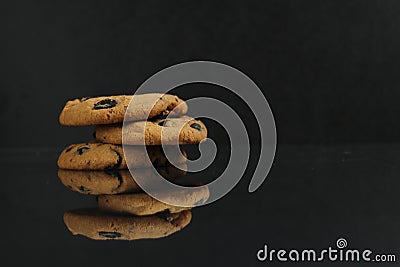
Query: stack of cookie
{"x":100,"y":167}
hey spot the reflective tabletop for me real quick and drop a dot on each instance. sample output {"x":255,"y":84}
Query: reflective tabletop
{"x":313,"y":196}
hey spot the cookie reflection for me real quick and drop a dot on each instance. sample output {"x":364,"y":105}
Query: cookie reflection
{"x":124,"y":211}
{"x":109,"y":182}
{"x":99,"y":225}
{"x":143,"y":204}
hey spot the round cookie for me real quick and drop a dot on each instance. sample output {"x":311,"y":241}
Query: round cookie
{"x":94,"y":224}
{"x":98,"y":182}
{"x":92,"y":156}
{"x":191,"y":132}
{"x":113,"y":181}
{"x":136,"y":157}
{"x":112,"y":109}
{"x":147,"y":176}
{"x":142,"y":204}
{"x":100,"y":156}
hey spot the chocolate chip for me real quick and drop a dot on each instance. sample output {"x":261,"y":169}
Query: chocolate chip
{"x":110,"y":234}
{"x":113,"y":173}
{"x":69,"y":149}
{"x":167,"y":216}
{"x":116,"y":174}
{"x":117,"y":164}
{"x":196,"y":126}
{"x":82,"y":150}
{"x":159,"y":116}
{"x":105,"y":103}
{"x":83,"y":189}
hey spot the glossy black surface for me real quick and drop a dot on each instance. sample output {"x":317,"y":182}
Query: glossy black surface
{"x":313,"y":196}
{"x":329,"y":69}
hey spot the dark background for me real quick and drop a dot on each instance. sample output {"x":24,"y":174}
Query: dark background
{"x":329,"y":69}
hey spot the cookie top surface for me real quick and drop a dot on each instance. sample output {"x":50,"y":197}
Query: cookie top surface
{"x":112,"y":109}
{"x":98,"y":225}
{"x":143,"y":204}
{"x":99,"y":182}
{"x":182,"y":130}
{"x":101,"y":156}
{"x":114,"y":181}
{"x":92,"y":156}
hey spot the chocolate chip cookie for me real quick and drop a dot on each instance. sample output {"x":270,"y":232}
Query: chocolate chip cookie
{"x":112,"y":109}
{"x":98,"y":225}
{"x":100,"y":156}
{"x":142,"y":204}
{"x":114,"y":181}
{"x":99,"y":182}
{"x":92,"y":156}
{"x":136,"y":156}
{"x":182,"y":130}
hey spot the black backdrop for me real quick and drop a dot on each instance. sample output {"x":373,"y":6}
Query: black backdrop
{"x":328,"y":68}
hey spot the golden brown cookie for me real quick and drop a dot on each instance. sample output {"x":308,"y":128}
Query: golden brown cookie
{"x":114,"y":181}
{"x":112,"y":109}
{"x":92,"y":156}
{"x":142,"y":204}
{"x":136,"y":156}
{"x":184,"y":130}
{"x":98,"y":182}
{"x":100,"y":156}
{"x":94,"y":224}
